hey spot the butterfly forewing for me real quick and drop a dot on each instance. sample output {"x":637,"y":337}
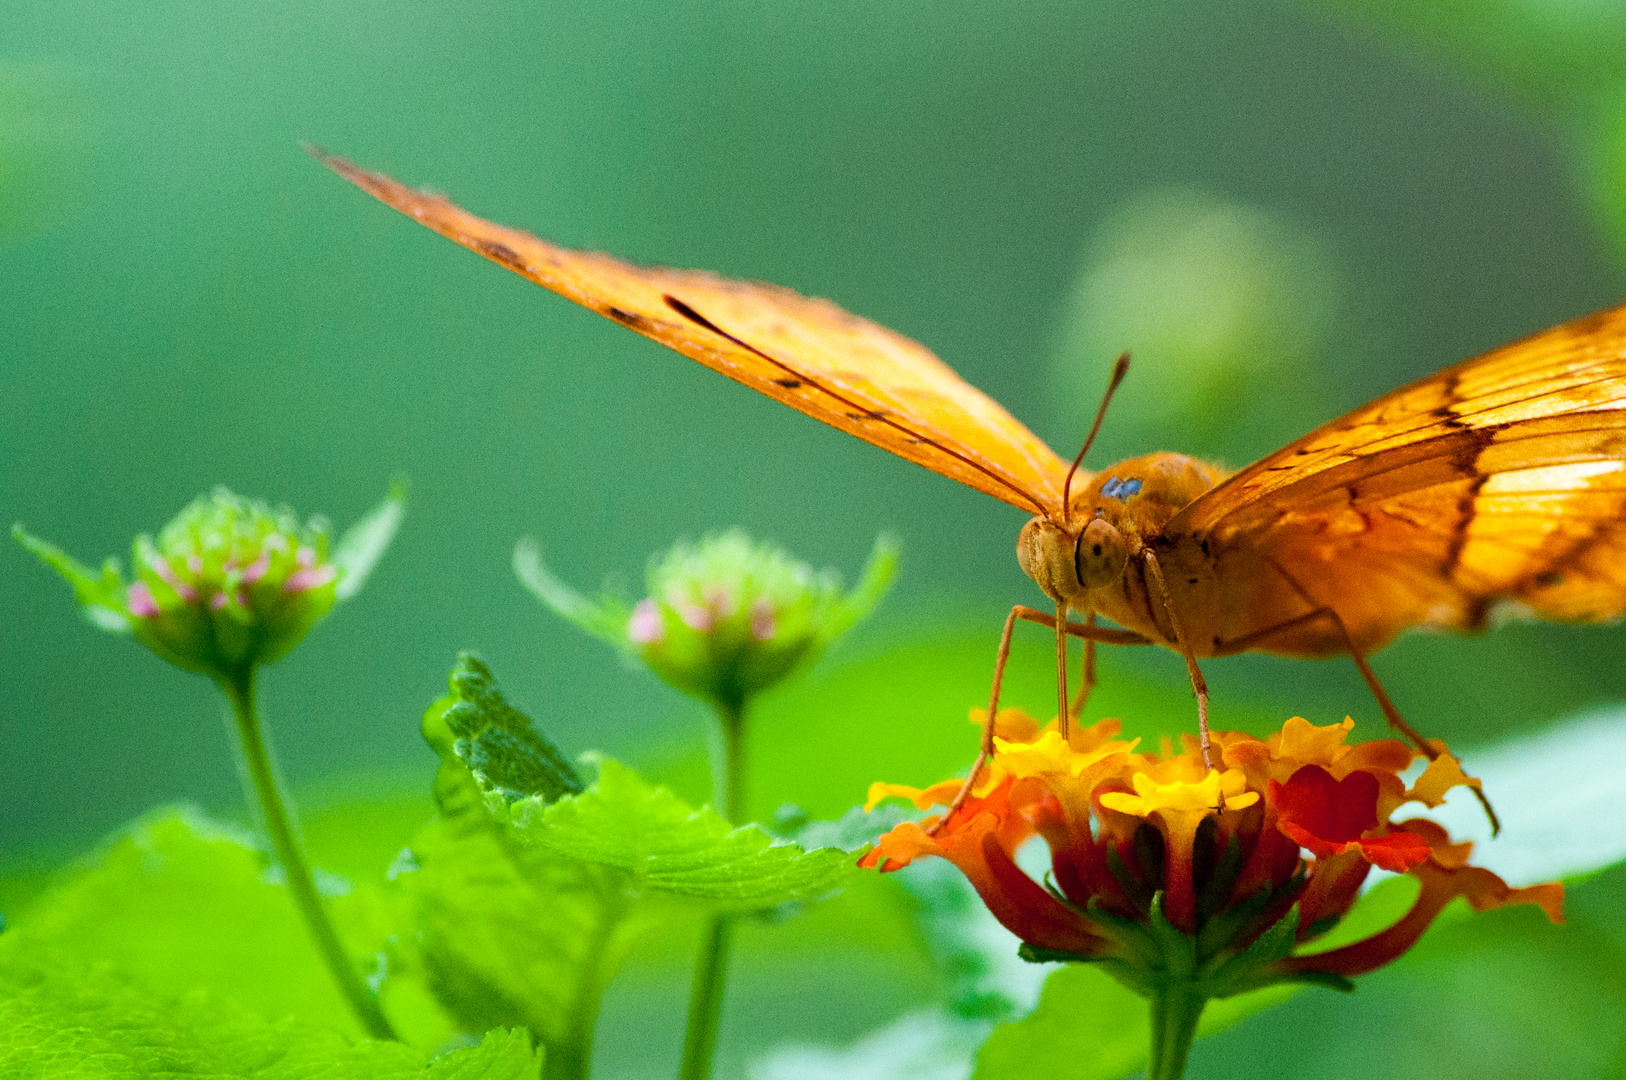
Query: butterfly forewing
{"x":810,"y":354}
{"x":1499,"y":479}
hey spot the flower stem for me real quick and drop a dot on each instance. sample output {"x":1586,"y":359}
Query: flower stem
{"x":240,"y":692}
{"x":706,"y":1000}
{"x":706,"y":995}
{"x":1175,"y":1012}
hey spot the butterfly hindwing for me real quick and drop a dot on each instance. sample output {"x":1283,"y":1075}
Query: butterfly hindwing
{"x":1502,"y":479}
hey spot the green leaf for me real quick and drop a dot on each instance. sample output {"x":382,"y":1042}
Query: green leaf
{"x":522,"y":900}
{"x":854,"y":832}
{"x":501,"y":1055}
{"x":178,"y":903}
{"x":505,"y":936}
{"x":507,"y":755}
{"x":61,"y":1017}
{"x":101,"y":598}
{"x":668,"y":848}
{"x":363,"y":544}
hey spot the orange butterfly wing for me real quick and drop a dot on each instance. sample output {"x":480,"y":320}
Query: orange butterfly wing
{"x":810,"y":354}
{"x":1500,"y":479}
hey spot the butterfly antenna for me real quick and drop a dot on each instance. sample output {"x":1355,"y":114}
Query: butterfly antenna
{"x":1119,"y":370}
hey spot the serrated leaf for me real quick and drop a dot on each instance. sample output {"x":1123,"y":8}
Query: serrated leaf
{"x":501,"y":1055}
{"x":100,"y":596}
{"x":504,"y":935}
{"x":853,"y":832}
{"x":364,"y":543}
{"x":503,"y":750}
{"x":60,"y":1018}
{"x":668,"y":848}
{"x":525,"y":896}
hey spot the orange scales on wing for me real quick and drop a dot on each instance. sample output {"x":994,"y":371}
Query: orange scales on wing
{"x":810,"y":354}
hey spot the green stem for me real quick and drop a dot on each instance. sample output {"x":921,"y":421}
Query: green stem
{"x":706,"y":1000}
{"x":733,"y":770}
{"x":240,"y":692}
{"x":1175,"y":1012}
{"x":569,"y":1059}
{"x":706,"y":995}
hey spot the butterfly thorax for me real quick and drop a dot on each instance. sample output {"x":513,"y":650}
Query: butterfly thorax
{"x":1092,"y":562}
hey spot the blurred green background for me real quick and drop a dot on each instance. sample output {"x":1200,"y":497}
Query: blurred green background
{"x":1282,"y":208}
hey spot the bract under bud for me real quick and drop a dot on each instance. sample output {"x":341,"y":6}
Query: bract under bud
{"x":230,"y":583}
{"x":725,"y":618}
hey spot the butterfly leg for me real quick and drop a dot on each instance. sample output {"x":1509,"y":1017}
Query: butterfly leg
{"x":1083,"y":697}
{"x":986,"y":747}
{"x":1063,"y":716}
{"x":1385,"y":704}
{"x":1199,"y":685}
{"x":1088,"y":631}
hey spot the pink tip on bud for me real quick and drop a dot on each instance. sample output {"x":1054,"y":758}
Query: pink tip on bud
{"x":160,"y":566}
{"x":139,"y":598}
{"x":762,"y":619}
{"x":699,"y":619}
{"x":719,"y":599}
{"x":310,"y":578}
{"x":218,"y":600}
{"x":194,"y":563}
{"x":645,"y":625}
{"x":305,"y":557}
{"x":255,"y":570}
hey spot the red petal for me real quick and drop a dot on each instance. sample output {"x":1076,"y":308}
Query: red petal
{"x":1440,"y":886}
{"x":1026,"y":909}
{"x":1399,"y":851}
{"x":1314,"y":805}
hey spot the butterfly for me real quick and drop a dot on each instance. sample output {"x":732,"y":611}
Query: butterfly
{"x":1496,"y":484}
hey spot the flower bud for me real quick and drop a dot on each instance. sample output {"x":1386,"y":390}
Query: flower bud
{"x":230,"y":583}
{"x":724,"y":619}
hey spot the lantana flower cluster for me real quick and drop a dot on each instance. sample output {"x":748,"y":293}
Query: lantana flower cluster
{"x":230,"y":581}
{"x":725,"y":618}
{"x":1167,"y":872}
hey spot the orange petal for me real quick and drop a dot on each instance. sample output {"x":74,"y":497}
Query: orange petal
{"x":1442,"y":774}
{"x":900,"y":847}
{"x":939,"y":794}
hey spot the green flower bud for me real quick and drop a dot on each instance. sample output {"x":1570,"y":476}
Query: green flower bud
{"x":725,"y":618}
{"x":230,"y":583}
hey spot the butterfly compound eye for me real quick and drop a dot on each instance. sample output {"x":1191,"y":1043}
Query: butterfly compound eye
{"x":1100,"y":554}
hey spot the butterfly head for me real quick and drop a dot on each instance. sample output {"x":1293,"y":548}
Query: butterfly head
{"x":1113,"y":519}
